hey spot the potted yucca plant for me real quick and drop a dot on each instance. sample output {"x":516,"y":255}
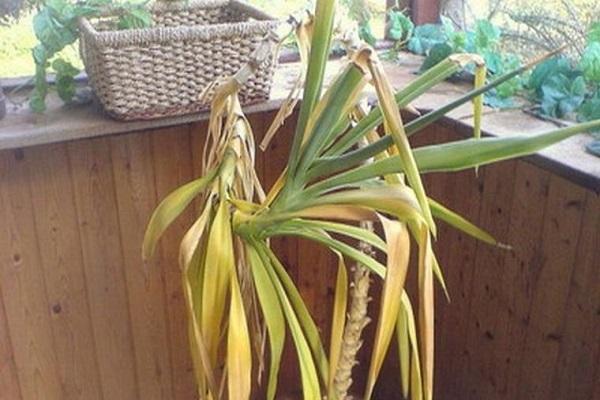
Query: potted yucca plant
{"x":344,"y":175}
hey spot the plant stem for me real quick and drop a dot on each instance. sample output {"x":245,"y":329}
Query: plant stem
{"x":357,"y":320}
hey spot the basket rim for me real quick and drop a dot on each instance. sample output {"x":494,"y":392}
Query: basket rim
{"x":133,"y":37}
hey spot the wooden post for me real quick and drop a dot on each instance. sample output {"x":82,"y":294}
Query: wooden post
{"x":425,"y":11}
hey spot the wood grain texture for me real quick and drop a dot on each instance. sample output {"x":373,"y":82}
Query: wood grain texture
{"x":9,"y":382}
{"x":498,"y":187}
{"x":59,"y":242}
{"x":97,"y":214}
{"x":23,"y":287}
{"x":136,"y":199}
{"x":78,"y":306}
{"x":173,"y":168}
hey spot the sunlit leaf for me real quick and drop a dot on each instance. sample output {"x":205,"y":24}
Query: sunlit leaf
{"x":169,"y":209}
{"x":338,"y":321}
{"x":217,"y":273}
{"x":398,"y":251}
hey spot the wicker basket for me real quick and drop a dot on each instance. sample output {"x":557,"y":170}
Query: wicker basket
{"x":161,"y":71}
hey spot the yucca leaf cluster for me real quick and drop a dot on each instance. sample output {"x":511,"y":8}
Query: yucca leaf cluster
{"x":348,"y":164}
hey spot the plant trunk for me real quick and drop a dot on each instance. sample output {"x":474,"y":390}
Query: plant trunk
{"x":357,"y":320}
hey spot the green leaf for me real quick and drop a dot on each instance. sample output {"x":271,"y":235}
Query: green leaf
{"x":593,"y":35}
{"x":135,"y":17}
{"x":463,"y":154}
{"x":460,"y":223}
{"x":319,"y":53}
{"x":425,"y":37}
{"x":562,"y":96}
{"x":51,"y":32}
{"x":65,"y":79}
{"x":590,"y":62}
{"x":398,"y":251}
{"x":590,"y":109}
{"x":594,"y":147}
{"x":437,"y":54}
{"x":306,"y":321}
{"x":343,"y":229}
{"x":272,"y":312}
{"x":487,"y":35}
{"x":400,"y":27}
{"x":366,"y":34}
{"x":546,"y":70}
{"x":170,"y":208}
{"x":291,"y":306}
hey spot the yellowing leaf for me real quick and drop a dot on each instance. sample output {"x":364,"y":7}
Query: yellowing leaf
{"x":337,"y":212}
{"x":398,"y":251}
{"x":239,"y":355}
{"x":393,"y":122}
{"x":480,"y":74}
{"x":202,"y":366}
{"x":426,"y":310}
{"x":407,"y":317}
{"x":169,"y":209}
{"x":403,"y":351}
{"x":397,"y":200}
{"x":338,"y":321}
{"x":308,"y":372}
{"x":191,"y":239}
{"x":218,"y":267}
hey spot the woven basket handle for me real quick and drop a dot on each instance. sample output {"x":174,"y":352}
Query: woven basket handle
{"x":266,"y":49}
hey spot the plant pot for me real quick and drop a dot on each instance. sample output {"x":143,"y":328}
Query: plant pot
{"x":161,"y":71}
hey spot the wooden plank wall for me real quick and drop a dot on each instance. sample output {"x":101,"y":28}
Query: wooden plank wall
{"x":81,"y":317}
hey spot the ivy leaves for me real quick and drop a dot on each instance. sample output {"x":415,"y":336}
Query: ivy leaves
{"x":56,"y":26}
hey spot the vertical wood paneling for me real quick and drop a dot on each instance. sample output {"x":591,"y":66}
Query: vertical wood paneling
{"x":136,"y":198}
{"x":580,"y":344}
{"x":522,"y":324}
{"x":521,"y":265}
{"x":9,"y":382}
{"x":61,"y":261}
{"x":489,"y":261}
{"x":173,"y":168}
{"x":560,"y":234}
{"x":91,"y":169}
{"x":23,"y":288}
{"x":462,"y":193}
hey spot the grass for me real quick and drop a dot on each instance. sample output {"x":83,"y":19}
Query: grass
{"x":16,"y":41}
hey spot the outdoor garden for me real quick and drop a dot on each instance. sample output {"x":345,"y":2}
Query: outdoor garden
{"x":227,"y":199}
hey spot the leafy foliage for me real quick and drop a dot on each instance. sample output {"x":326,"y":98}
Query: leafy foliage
{"x":425,"y":37}
{"x":594,"y":33}
{"x":590,"y":63}
{"x":56,"y":26}
{"x":562,"y":96}
{"x":342,"y":170}
{"x":400,"y":28}
{"x":562,"y":88}
{"x":439,"y":41}
{"x":365,"y":33}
